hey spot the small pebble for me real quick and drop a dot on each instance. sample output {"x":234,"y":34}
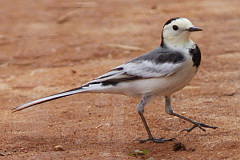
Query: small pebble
{"x":58,"y":148}
{"x":2,"y":154}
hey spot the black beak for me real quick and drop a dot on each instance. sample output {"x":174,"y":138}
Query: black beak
{"x":194,"y":29}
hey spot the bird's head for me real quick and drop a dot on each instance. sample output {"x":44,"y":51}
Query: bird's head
{"x":176,"y":32}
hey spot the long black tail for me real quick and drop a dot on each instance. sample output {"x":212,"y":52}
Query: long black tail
{"x":49,"y":98}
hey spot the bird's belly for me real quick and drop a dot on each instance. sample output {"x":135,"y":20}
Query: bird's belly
{"x":161,"y":86}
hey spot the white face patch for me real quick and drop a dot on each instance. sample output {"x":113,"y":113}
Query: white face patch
{"x":175,"y":34}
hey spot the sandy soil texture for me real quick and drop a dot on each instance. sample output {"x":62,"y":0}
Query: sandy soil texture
{"x":50,"y":46}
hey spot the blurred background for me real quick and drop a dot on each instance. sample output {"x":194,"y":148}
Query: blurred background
{"x":48,"y":46}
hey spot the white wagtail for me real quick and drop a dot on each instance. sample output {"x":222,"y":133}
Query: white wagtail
{"x":162,"y":71}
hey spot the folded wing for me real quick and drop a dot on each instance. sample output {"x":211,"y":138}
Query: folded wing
{"x":154,"y":64}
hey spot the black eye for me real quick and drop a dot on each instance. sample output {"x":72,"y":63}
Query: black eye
{"x":175,"y":27}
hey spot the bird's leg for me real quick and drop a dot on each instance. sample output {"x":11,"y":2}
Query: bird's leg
{"x":140,"y":109}
{"x":169,"y":110}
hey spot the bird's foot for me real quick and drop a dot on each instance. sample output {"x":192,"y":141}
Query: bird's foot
{"x":155,"y":140}
{"x":202,"y":126}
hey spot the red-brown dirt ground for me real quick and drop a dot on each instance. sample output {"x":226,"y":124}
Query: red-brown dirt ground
{"x":50,"y":46}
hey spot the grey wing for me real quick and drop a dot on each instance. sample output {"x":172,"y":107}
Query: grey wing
{"x":159,"y":62}
{"x":148,"y":69}
{"x":154,"y":64}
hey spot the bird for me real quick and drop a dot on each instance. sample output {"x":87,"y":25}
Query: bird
{"x":160,"y":72}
